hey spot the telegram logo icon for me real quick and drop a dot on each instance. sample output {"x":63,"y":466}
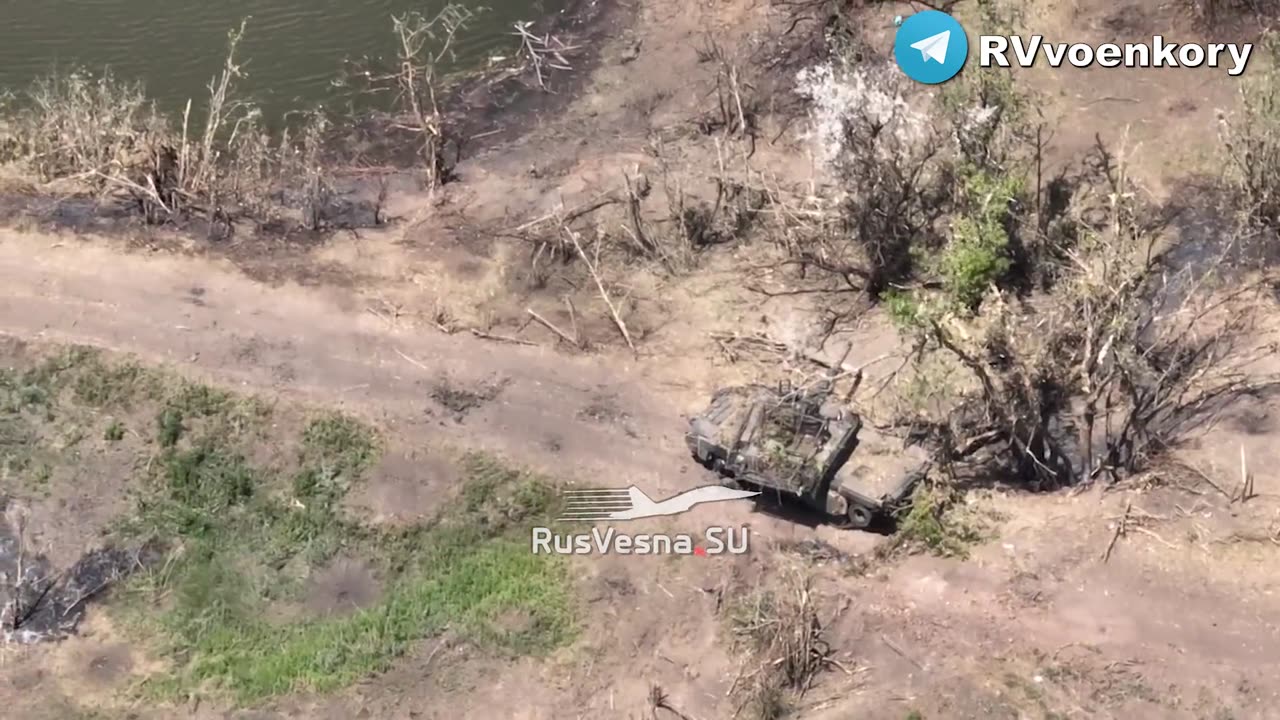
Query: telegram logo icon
{"x":931,"y":47}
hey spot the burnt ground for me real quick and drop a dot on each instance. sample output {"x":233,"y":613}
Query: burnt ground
{"x":411,"y":327}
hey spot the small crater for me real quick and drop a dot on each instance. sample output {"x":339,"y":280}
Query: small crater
{"x":609,"y":586}
{"x":461,"y":398}
{"x":603,"y":409}
{"x":1027,"y":589}
{"x":1125,"y":21}
{"x":284,"y":373}
{"x":342,"y":587}
{"x":620,"y":585}
{"x":469,"y":269}
{"x":818,"y":552}
{"x":248,"y":350}
{"x":109,"y":664}
{"x":405,"y":489}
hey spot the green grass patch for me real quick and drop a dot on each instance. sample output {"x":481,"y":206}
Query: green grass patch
{"x":468,"y":583}
{"x":938,"y":522}
{"x":244,"y":546}
{"x":472,"y":572}
{"x":245,"y":503}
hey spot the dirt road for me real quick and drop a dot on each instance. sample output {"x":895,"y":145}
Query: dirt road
{"x":548,"y":409}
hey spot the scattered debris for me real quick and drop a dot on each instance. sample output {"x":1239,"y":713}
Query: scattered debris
{"x":658,"y":700}
{"x":460,"y":399}
{"x":593,"y":268}
{"x":605,"y":409}
{"x":817,"y":551}
{"x":1245,"y":493}
{"x":573,"y":339}
{"x":542,"y":52}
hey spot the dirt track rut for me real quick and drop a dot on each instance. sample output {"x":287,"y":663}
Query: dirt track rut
{"x":204,"y":316}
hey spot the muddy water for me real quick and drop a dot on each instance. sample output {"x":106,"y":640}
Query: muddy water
{"x":294,"y":48}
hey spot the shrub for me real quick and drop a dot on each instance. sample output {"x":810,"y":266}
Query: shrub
{"x":977,"y":256}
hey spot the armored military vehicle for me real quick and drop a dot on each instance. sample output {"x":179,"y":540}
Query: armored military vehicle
{"x":795,"y":442}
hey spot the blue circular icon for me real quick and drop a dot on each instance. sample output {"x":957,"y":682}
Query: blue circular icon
{"x":931,"y":47}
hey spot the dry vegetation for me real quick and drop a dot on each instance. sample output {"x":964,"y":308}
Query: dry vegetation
{"x":1056,"y":332}
{"x":80,"y":133}
{"x":780,"y":630}
{"x":416,"y":81}
{"x":1053,"y":332}
{"x":222,"y":161}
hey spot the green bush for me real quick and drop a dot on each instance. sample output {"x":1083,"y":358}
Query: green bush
{"x":978,"y":254}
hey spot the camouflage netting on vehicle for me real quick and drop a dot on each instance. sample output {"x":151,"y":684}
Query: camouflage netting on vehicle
{"x":784,"y":433}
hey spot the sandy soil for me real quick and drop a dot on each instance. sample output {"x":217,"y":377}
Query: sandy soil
{"x":1181,"y":620}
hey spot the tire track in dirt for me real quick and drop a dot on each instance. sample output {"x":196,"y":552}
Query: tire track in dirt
{"x":206,"y":317}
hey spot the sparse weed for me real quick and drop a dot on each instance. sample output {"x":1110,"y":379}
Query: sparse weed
{"x":335,"y":450}
{"x":170,"y":426}
{"x":99,"y":384}
{"x":114,"y":431}
{"x":240,"y":540}
{"x":1251,"y":141}
{"x":785,"y":646}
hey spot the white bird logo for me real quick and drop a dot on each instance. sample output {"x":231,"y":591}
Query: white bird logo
{"x":933,"y":47}
{"x":631,"y":503}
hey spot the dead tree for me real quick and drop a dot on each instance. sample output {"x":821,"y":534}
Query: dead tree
{"x":424,"y":48}
{"x":889,"y":184}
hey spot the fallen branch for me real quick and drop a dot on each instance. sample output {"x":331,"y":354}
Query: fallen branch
{"x":765,"y":343}
{"x":900,"y":652}
{"x":543,"y":51}
{"x":1204,"y":476}
{"x":658,"y":700}
{"x":607,"y":199}
{"x":1156,"y":536}
{"x":551,"y":326}
{"x":573,"y":319}
{"x":604,"y":294}
{"x":1122,"y":527}
{"x":412,"y":361}
{"x":501,"y":338}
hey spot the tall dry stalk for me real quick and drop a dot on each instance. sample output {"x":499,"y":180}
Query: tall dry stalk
{"x":425,"y":45}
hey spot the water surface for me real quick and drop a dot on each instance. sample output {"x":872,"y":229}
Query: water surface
{"x":293,"y":48}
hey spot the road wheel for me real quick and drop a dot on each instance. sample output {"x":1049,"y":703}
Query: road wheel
{"x":860,"y":516}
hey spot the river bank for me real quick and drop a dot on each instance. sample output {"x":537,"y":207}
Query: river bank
{"x":86,"y":151}
{"x":296,"y":47}
{"x":686,"y":213}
